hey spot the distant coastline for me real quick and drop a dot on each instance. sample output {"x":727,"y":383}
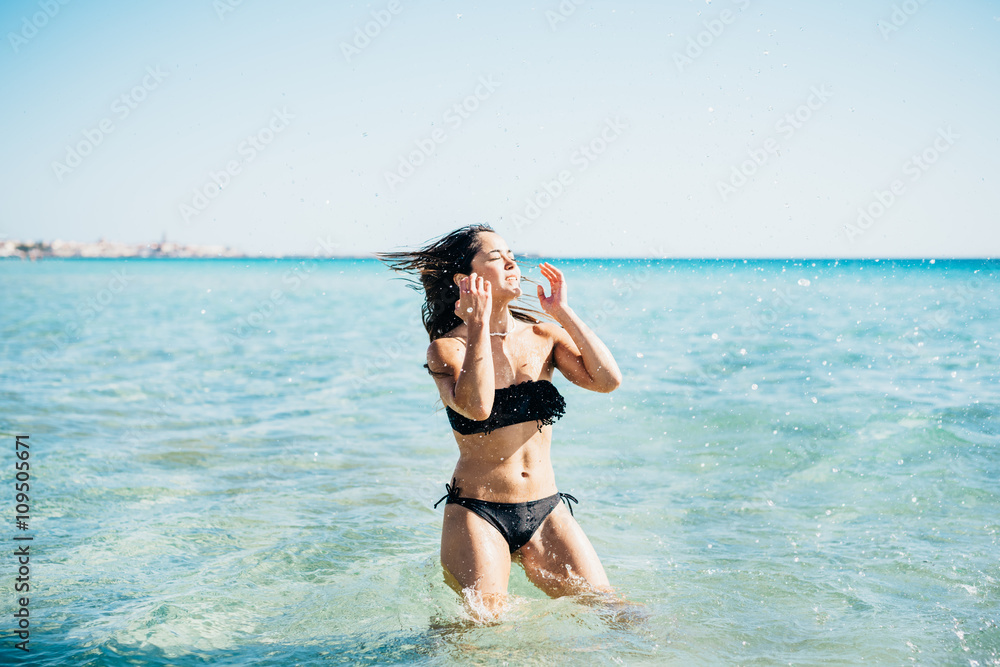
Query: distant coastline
{"x":33,"y":250}
{"x":102,"y":249}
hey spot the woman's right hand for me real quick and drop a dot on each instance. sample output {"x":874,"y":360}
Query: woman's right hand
{"x":475,"y":301}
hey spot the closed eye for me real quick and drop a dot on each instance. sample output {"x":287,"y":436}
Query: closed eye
{"x":499,"y":255}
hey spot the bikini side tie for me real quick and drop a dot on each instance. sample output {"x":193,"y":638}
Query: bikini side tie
{"x":452,"y":492}
{"x":565,"y":497}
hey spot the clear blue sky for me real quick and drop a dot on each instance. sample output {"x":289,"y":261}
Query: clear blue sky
{"x":673,"y":126}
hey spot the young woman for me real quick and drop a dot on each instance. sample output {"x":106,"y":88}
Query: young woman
{"x":493,"y":365}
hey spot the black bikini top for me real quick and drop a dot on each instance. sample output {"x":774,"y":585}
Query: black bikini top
{"x":533,"y":400}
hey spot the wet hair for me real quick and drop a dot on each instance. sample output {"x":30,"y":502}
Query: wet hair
{"x":435,"y":266}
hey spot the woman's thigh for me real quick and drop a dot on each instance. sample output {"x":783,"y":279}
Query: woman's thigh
{"x":560,"y":560}
{"x":474,"y":555}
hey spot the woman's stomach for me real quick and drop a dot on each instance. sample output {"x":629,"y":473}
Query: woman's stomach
{"x":510,"y":465}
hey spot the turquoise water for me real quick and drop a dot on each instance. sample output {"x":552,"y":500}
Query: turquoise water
{"x":234,"y":463}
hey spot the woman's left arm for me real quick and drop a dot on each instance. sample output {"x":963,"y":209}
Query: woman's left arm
{"x":579,"y":354}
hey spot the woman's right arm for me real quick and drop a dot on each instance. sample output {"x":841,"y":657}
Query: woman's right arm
{"x":464,"y":373}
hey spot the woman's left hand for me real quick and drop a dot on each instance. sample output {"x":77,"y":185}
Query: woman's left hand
{"x":556,"y":302}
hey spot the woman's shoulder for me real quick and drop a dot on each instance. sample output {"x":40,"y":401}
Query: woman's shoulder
{"x":447,"y":348}
{"x":552,"y":336}
{"x":457,"y":336}
{"x":547,"y":330}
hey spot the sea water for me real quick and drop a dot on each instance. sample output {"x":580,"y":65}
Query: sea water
{"x":234,"y":462}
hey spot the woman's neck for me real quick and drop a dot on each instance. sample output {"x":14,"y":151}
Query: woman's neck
{"x":501,"y":321}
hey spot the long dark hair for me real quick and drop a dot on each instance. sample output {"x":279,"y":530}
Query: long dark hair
{"x":435,"y":266}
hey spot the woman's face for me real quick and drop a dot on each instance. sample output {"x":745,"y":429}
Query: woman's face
{"x":495,"y":263}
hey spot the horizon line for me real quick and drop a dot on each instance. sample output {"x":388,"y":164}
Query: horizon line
{"x":372,"y":257}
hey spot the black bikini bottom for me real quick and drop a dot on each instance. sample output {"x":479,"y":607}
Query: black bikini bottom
{"x":517,"y":522}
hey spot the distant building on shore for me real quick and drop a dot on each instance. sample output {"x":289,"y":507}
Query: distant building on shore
{"x":105,"y":249}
